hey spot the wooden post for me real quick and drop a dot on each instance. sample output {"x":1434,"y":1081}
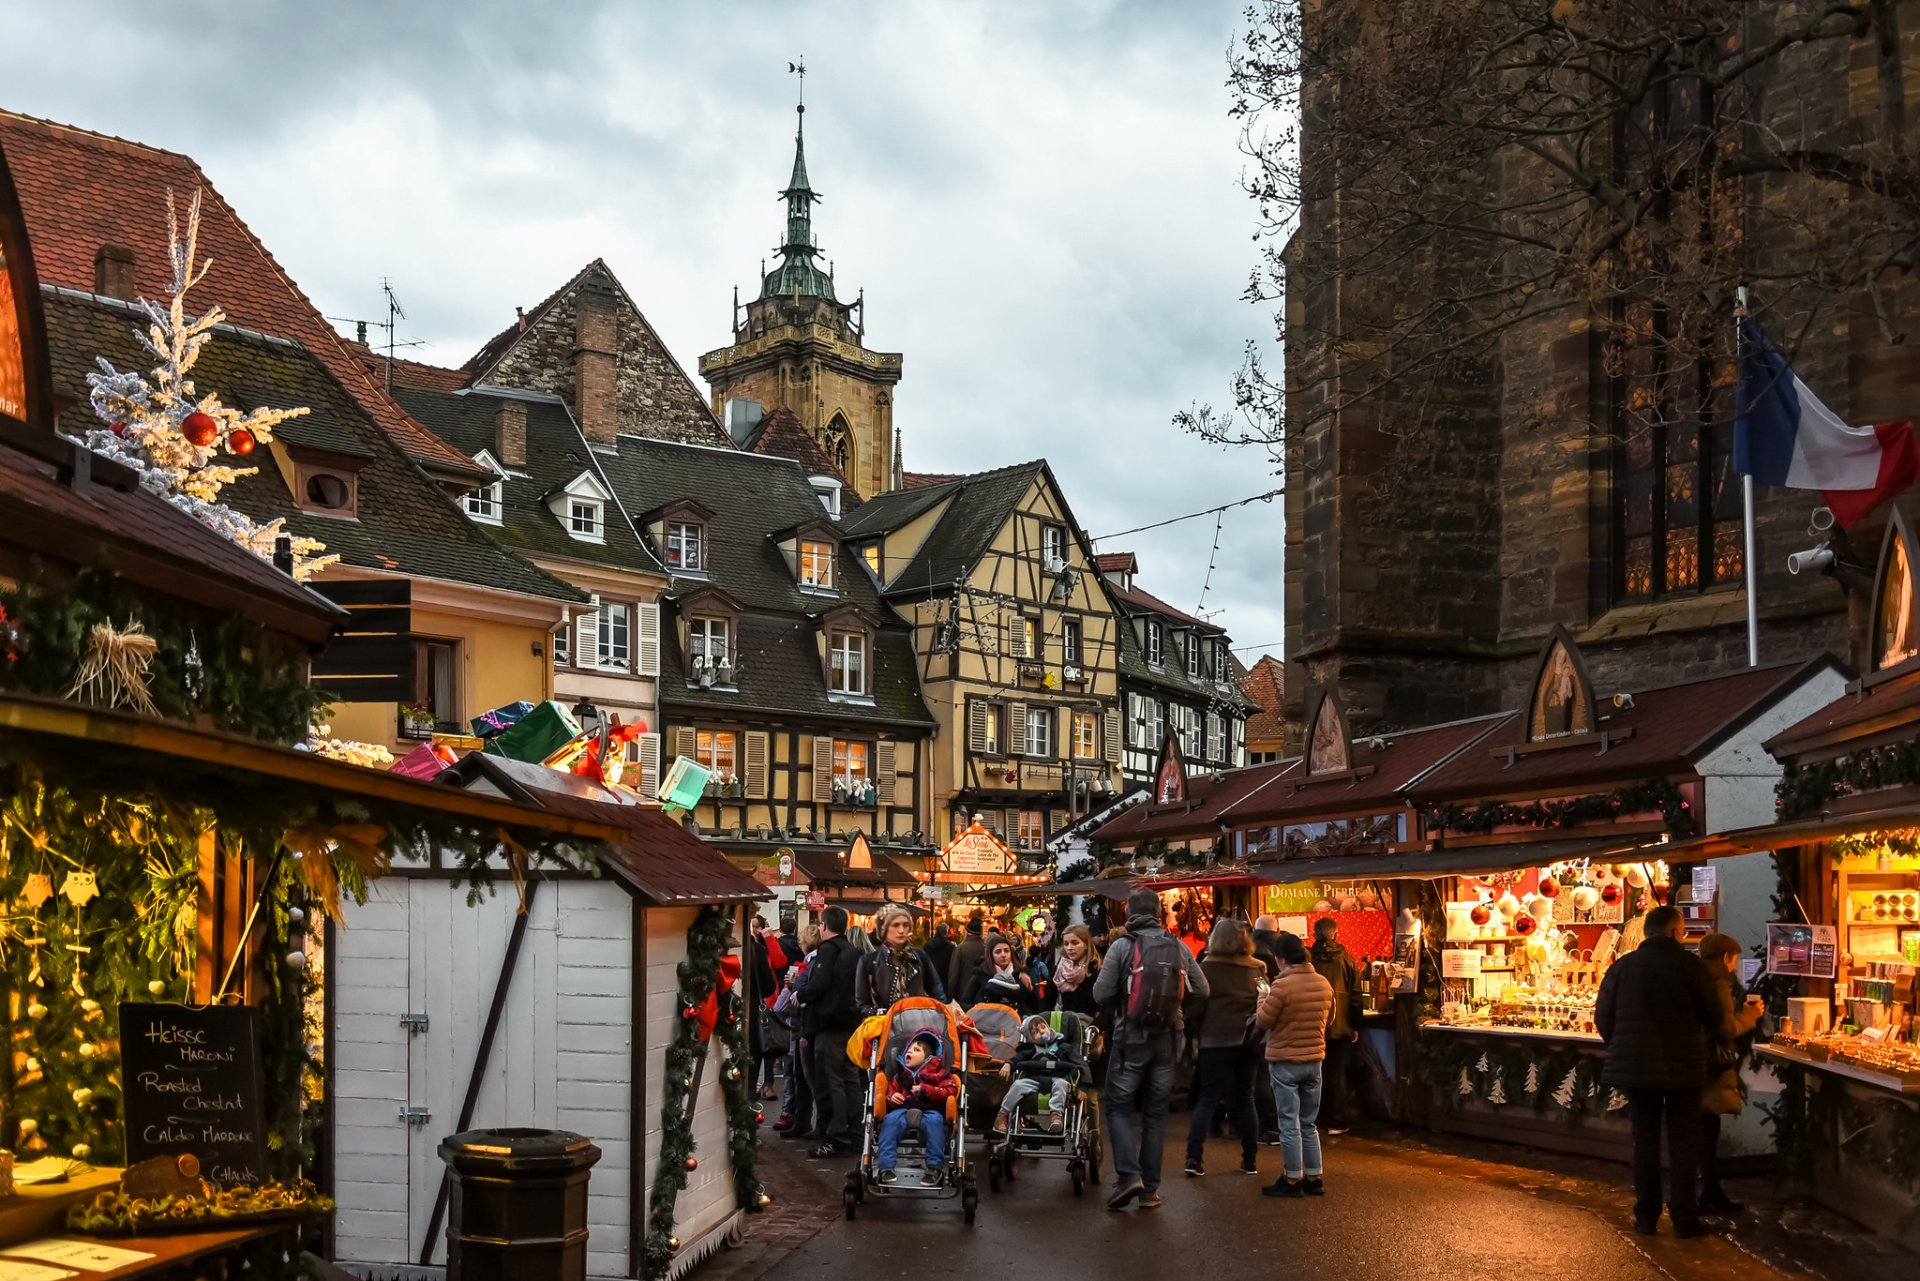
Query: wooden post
{"x":639,"y":1172}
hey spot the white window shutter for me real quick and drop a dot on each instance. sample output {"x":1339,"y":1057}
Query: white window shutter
{"x":757,"y":745}
{"x":650,"y":765}
{"x":586,"y":640}
{"x":685,"y":741}
{"x":976,"y":726}
{"x":647,"y":638}
{"x":1113,"y":732}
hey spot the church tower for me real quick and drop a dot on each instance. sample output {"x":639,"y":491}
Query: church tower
{"x":799,"y":348}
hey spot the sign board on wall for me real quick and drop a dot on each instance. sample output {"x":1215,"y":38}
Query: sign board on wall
{"x":1802,"y":951}
{"x":191,"y":1084}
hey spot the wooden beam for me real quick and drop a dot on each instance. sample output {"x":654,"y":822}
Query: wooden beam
{"x":639,"y":1174}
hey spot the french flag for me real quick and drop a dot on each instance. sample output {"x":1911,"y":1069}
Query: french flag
{"x":1783,"y":435}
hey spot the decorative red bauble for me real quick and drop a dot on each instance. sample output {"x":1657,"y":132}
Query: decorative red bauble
{"x":693,"y":1163}
{"x":199,"y":429}
{"x":118,"y":429}
{"x":1523,"y":925}
{"x":240,"y":440}
{"x":690,"y":1012}
{"x":1480,"y":915}
{"x":1548,"y":887}
{"x":1610,"y":892}
{"x":759,"y":1118}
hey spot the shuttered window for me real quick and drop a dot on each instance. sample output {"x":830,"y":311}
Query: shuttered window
{"x":758,"y":765}
{"x":647,"y":638}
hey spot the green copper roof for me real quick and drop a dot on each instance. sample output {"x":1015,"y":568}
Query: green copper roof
{"x":797,"y":276}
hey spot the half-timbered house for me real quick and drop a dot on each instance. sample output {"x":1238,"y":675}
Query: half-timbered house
{"x":1017,"y":642}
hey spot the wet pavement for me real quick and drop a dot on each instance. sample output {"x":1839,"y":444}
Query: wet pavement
{"x":1396,"y":1207}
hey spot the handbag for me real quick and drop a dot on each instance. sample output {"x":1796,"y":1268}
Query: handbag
{"x":1253,"y":1036}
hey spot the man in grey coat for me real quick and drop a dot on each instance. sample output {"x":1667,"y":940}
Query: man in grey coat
{"x":1140,"y":1068}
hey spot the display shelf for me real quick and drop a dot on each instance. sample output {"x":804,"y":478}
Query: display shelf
{"x":1885,"y":1080}
{"x":1538,"y":1033}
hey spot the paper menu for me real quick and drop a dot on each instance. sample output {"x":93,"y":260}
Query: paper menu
{"x":21,"y":1270}
{"x":89,"y":1256}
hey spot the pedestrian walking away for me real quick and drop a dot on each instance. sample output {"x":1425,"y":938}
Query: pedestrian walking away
{"x":1657,"y":1011}
{"x":1224,"y":1078}
{"x":1296,"y":1012}
{"x":827,"y":992}
{"x":1145,"y":977}
{"x":1332,"y":962}
{"x":969,"y":954}
{"x":1725,"y":1094}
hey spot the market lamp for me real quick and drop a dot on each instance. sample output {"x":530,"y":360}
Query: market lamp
{"x":586,"y":715}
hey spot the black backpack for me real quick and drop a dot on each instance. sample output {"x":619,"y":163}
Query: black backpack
{"x":1157,"y":983}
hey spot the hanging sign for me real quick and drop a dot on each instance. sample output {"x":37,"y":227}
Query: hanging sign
{"x":191,"y":1082}
{"x":1706,"y":879}
{"x":816,"y":900}
{"x":1802,"y":951}
{"x":977,"y":851}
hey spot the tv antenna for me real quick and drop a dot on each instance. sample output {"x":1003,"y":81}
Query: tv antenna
{"x":395,"y":314}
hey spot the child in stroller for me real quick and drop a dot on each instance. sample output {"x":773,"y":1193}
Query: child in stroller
{"x":1046,"y":1062}
{"x":922,"y":1083}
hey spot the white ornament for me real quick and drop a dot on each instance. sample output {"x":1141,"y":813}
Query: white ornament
{"x":28,"y":1126}
{"x":88,"y":1049}
{"x":36,"y":1011}
{"x":83,"y":1096}
{"x":296,"y":960}
{"x":1508,"y":906}
{"x":1585,"y":897}
{"x":1637,"y":876}
{"x":33,"y":1065}
{"x":81,"y":1151}
{"x":156,"y":987}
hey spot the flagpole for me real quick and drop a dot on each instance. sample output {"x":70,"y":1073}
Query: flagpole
{"x":1746,"y":498}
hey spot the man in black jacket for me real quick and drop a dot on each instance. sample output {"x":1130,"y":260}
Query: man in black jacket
{"x":826,"y":991}
{"x":939,"y":950}
{"x":1656,"y":1010}
{"x":967,"y":957}
{"x":1266,"y":950}
{"x":1332,"y":961}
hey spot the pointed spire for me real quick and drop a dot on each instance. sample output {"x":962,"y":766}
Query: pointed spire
{"x":797,"y":276}
{"x":899,"y":461}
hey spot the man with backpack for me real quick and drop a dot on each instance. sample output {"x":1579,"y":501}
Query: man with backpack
{"x":1145,"y":977}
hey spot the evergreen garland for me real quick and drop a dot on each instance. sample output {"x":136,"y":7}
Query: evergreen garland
{"x":1579,"y":811}
{"x":708,"y":940}
{"x":1808,"y":788}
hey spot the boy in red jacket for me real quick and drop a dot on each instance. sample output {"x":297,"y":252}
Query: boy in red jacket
{"x":920,"y":1080}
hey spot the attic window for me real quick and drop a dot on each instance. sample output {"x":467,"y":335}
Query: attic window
{"x":686,"y":546}
{"x":816,"y":563}
{"x":1153,"y":643}
{"x":485,"y":503}
{"x":848,"y":662}
{"x":827,"y":490}
{"x":1193,"y":657}
{"x":586,"y":520}
{"x":325,"y":489}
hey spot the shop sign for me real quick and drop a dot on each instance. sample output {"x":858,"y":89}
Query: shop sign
{"x":1460,"y":963}
{"x":816,"y":900}
{"x":977,"y":850}
{"x":193,"y":1086}
{"x":1300,"y":897}
{"x":778,"y":870}
{"x":1802,"y":951}
{"x":933,"y":892}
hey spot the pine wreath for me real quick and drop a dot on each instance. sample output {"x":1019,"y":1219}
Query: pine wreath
{"x":708,"y":940}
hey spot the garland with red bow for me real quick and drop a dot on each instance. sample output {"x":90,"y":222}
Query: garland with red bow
{"x":710,"y":1002}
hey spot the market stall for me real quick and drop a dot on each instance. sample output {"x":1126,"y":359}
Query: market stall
{"x":976,"y":870}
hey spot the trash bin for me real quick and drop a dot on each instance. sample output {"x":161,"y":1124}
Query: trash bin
{"x":517,"y":1204}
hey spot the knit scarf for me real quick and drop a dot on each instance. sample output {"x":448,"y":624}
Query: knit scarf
{"x":1069,"y":974}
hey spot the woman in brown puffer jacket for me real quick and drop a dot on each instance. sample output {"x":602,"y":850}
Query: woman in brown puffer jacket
{"x":1724,"y":1095}
{"x":1296,"y":1012}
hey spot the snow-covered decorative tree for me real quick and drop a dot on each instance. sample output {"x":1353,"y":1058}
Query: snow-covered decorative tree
{"x":178,"y":440}
{"x":1466,"y":1083}
{"x":1481,"y":1066}
{"x":1533,"y":1078}
{"x":321,"y":742}
{"x":1565,"y":1094}
{"x":1615,"y":1100}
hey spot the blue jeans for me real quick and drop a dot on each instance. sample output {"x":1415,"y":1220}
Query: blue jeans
{"x":1139,"y":1076}
{"x":893,"y":1127}
{"x":1296,"y":1096}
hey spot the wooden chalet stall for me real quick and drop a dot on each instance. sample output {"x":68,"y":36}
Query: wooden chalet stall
{"x":805,"y":882}
{"x":1542,"y":844}
{"x":554,"y":1010}
{"x":1842,"y":943}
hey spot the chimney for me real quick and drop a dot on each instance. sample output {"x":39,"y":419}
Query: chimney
{"x":113,"y":272}
{"x":521,"y":313}
{"x":595,"y":403}
{"x":510,"y":433}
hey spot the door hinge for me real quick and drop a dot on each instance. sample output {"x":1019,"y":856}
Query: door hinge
{"x":414,"y":1023}
{"x":415,"y":1117}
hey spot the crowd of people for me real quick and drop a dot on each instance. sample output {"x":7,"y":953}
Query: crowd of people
{"x":1246,"y":1013}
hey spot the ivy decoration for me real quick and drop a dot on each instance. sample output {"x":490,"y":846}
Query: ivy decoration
{"x":1579,"y":811}
{"x":1808,"y":788}
{"x":708,"y":941}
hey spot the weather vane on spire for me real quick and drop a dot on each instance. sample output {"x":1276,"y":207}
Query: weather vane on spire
{"x":800,"y":69}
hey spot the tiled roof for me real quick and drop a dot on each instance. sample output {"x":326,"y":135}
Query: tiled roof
{"x":408,"y":373}
{"x":495,"y":347}
{"x":140,"y":533}
{"x":920,"y":479}
{"x":1172,"y":671}
{"x":406,"y":523}
{"x":1858,"y":718}
{"x":1265,"y":684}
{"x":781,"y":435}
{"x":81,"y":190}
{"x":828,"y":868}
{"x":777,"y":665}
{"x":556,"y":455}
{"x":1208,"y":796}
{"x":1135,"y":601}
{"x":1117,"y":563}
{"x":1397,"y":762}
{"x":1672,"y":726}
{"x":980,"y":506}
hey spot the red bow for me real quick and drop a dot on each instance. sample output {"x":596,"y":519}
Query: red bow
{"x":709,"y":1013}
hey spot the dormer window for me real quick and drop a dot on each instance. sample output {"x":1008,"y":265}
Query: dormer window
{"x":322,"y":489}
{"x":686,"y":546}
{"x":1153,"y":643}
{"x":586,"y":520}
{"x":827,"y":489}
{"x":709,"y":645}
{"x":486,"y":503}
{"x":1193,"y":657}
{"x":816,"y":563}
{"x":848,"y":663}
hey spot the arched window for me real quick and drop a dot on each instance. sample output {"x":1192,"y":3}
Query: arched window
{"x":836,"y":438}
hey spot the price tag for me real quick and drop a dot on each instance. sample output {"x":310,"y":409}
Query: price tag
{"x":1460,"y":963}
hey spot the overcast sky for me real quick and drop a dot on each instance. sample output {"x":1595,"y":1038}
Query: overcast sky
{"x":1041,"y":200}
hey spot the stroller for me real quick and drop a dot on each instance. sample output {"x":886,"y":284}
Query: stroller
{"x":1078,"y":1140}
{"x":993,"y":1038}
{"x":901,"y":1023}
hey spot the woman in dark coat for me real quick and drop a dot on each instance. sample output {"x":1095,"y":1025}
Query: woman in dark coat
{"x":895,"y":969}
{"x":1224,"y":1074}
{"x":1001,"y":980}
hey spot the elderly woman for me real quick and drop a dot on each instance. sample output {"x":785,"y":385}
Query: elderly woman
{"x":895,"y":969}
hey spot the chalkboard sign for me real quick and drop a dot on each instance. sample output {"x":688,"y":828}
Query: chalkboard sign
{"x":191,"y":1079}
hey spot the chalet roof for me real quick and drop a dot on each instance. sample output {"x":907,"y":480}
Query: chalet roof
{"x":828,"y":867}
{"x":1117,"y":563}
{"x":151,"y":542}
{"x":81,"y":190}
{"x":556,"y":455}
{"x":1132,"y":600}
{"x":1208,"y":797}
{"x":1671,"y":726}
{"x":1397,"y":763}
{"x":1863,"y":716}
{"x":777,"y":667}
{"x":406,"y":523}
{"x":1265,"y":685}
{"x":979,"y":506}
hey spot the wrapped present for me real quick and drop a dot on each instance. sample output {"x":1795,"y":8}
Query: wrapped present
{"x":685,"y":783}
{"x":487,"y":724}
{"x":424,"y":762}
{"x":544,"y":730}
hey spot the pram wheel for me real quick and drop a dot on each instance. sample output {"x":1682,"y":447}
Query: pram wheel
{"x":969,"y":1203}
{"x":848,"y":1200}
{"x":1079,"y":1179}
{"x":993,"y":1173}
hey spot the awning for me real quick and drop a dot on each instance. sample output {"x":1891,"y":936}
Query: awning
{"x":1228,"y":874}
{"x":1113,"y":887}
{"x":1805,"y":831}
{"x":1468,"y":860}
{"x":868,"y":906}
